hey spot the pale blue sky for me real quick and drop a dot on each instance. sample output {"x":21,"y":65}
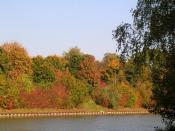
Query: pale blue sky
{"x":48,"y":27}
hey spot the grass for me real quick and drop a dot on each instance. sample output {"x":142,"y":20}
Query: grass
{"x":87,"y":106}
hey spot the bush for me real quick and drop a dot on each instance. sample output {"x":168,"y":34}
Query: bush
{"x":54,"y":97}
{"x":106,"y":96}
{"x":145,"y":90}
{"x":89,"y":104}
{"x":77,"y":90}
{"x":9,"y":95}
{"x":127,"y":97}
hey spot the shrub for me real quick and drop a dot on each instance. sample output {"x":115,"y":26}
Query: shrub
{"x":107,"y":97}
{"x":127,"y":97}
{"x":54,"y":97}
{"x":145,"y":90}
{"x":77,"y":90}
{"x":9,"y":94}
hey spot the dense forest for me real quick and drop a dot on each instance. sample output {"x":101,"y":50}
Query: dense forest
{"x":140,"y":74}
{"x":73,"y":80}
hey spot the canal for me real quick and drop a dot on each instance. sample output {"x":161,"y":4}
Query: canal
{"x":84,"y":123}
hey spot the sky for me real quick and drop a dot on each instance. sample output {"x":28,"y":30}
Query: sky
{"x":47,"y":27}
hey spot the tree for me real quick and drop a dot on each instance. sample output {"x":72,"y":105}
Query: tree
{"x":56,"y":62}
{"x":3,"y":61}
{"x":153,"y":34}
{"x":77,"y":90}
{"x":74,"y":58}
{"x":88,"y":71}
{"x":42,"y":72}
{"x":19,"y":61}
{"x":111,"y":65}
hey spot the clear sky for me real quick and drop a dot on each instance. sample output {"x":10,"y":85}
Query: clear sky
{"x":48,"y":27}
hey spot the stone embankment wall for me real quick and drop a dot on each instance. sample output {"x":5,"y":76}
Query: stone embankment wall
{"x":56,"y":114}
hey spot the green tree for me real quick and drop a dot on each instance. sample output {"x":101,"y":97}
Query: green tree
{"x":43,"y":74}
{"x":3,"y":61}
{"x":74,"y":58}
{"x":77,"y":89}
{"x":9,"y":92}
{"x":152,"y":33}
{"x":56,"y":62}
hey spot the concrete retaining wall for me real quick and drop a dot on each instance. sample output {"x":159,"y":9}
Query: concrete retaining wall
{"x":56,"y":114}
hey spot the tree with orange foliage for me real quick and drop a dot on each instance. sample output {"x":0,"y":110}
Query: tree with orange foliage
{"x":111,"y":64}
{"x":19,"y":61}
{"x":88,"y":71}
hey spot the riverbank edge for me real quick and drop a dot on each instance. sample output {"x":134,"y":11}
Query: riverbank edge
{"x":30,"y":114}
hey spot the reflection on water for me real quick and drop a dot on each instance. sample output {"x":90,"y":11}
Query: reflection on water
{"x":89,"y":123}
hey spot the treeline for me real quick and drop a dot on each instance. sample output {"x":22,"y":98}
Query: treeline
{"x":73,"y":80}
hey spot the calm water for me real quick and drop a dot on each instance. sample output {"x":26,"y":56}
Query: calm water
{"x":91,"y":123}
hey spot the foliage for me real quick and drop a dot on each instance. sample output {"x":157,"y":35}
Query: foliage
{"x":9,"y":94}
{"x":39,"y":98}
{"x":75,"y":80}
{"x":25,"y":82}
{"x":111,"y":64}
{"x":3,"y":85}
{"x":152,"y":35}
{"x":106,"y":96}
{"x":131,"y":72}
{"x":42,"y":72}
{"x":145,"y":91}
{"x":77,"y":90}
{"x":88,"y":71}
{"x":3,"y":61}
{"x":58,"y":63}
{"x":127,"y":97}
{"x":74,"y":58}
{"x":90,"y":105}
{"x":18,"y":60}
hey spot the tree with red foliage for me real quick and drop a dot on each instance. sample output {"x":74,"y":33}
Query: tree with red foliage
{"x":89,"y":71}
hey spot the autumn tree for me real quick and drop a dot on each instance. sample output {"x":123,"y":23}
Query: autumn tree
{"x":88,"y":71}
{"x":19,"y":61}
{"x":153,"y":29}
{"x":111,"y":65}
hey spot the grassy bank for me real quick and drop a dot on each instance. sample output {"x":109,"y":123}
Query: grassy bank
{"x":72,"y":110}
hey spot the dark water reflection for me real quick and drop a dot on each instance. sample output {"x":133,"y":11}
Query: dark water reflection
{"x":90,"y":123}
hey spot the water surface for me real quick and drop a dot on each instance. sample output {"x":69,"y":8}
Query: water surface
{"x":85,"y":123}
